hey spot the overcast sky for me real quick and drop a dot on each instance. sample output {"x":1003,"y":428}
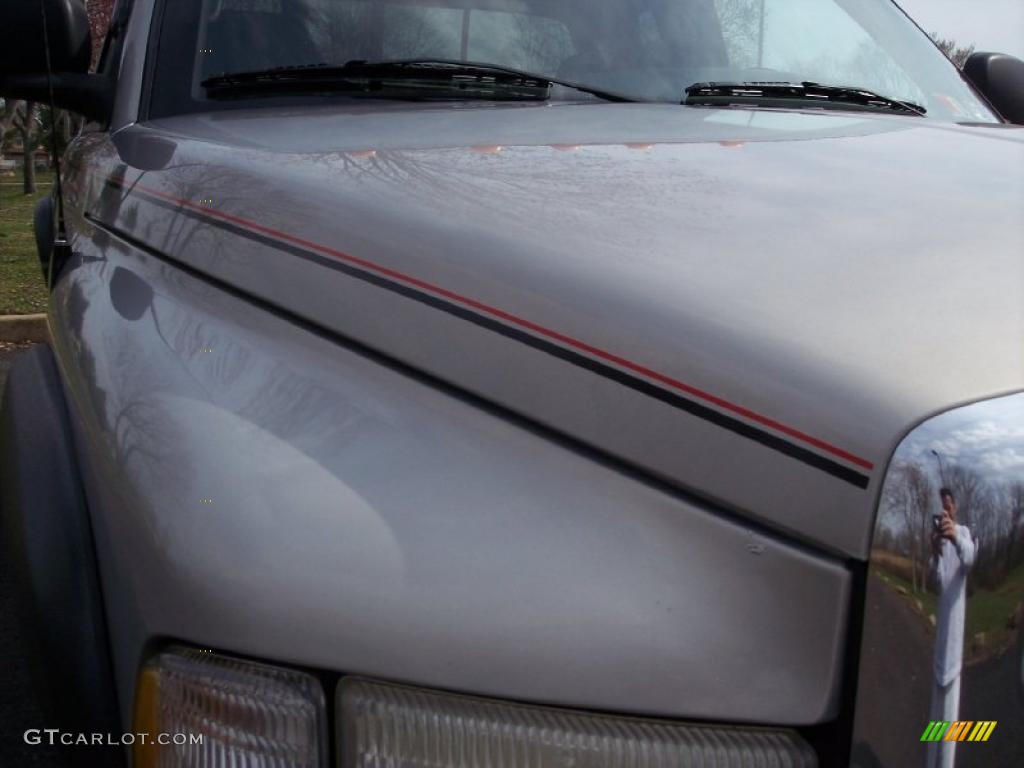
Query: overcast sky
{"x":986,"y":436}
{"x":991,"y":25}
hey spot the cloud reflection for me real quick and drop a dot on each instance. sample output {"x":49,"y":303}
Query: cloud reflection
{"x":986,"y":436}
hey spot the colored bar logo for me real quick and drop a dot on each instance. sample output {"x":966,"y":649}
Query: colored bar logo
{"x":959,"y":730}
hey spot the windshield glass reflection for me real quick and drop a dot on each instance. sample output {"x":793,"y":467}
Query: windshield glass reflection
{"x":641,"y":49}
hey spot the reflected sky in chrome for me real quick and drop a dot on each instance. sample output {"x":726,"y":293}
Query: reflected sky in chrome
{"x":978,"y":452}
{"x":986,"y":436}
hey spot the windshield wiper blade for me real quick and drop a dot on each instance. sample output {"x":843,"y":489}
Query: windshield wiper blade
{"x":463,"y":76}
{"x":366,"y":76}
{"x":799,"y":94}
{"x":458,"y":68}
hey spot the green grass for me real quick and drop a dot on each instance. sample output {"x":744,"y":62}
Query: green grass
{"x":987,"y":609}
{"x":22,"y":290}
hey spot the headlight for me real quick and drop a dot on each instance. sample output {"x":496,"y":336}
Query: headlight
{"x":401,"y":727}
{"x":944,"y":607}
{"x":247,"y":714}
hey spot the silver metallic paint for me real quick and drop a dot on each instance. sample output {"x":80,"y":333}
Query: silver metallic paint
{"x":816,"y":267}
{"x":729,"y":258}
{"x":366,"y":523}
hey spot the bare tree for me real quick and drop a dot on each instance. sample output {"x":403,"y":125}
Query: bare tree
{"x":1016,"y":498}
{"x":56,"y":128}
{"x":954,"y":51}
{"x":7,"y":117}
{"x":970,"y":491}
{"x":993,"y":513}
{"x":26,"y":123}
{"x":910,"y":493}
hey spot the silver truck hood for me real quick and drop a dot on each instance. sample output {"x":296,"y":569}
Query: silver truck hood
{"x":754,"y":306}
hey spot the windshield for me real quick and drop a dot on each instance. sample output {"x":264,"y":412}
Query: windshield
{"x":649,"y":50}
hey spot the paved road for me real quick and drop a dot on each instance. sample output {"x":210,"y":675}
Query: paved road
{"x":18,"y":708}
{"x":8,"y":353}
{"x":895,"y":678}
{"x":895,"y":693}
{"x":993,"y":690}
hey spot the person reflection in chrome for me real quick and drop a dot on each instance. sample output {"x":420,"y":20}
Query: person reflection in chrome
{"x":953,"y":552}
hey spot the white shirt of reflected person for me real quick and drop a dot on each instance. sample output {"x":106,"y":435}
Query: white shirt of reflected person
{"x":953,"y":553}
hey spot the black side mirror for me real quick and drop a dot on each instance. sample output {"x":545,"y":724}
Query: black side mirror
{"x":1000,"y":78}
{"x":142,"y":151}
{"x":23,"y":56}
{"x":21,"y":36}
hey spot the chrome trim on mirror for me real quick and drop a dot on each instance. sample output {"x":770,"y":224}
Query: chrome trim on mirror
{"x":941,"y":654}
